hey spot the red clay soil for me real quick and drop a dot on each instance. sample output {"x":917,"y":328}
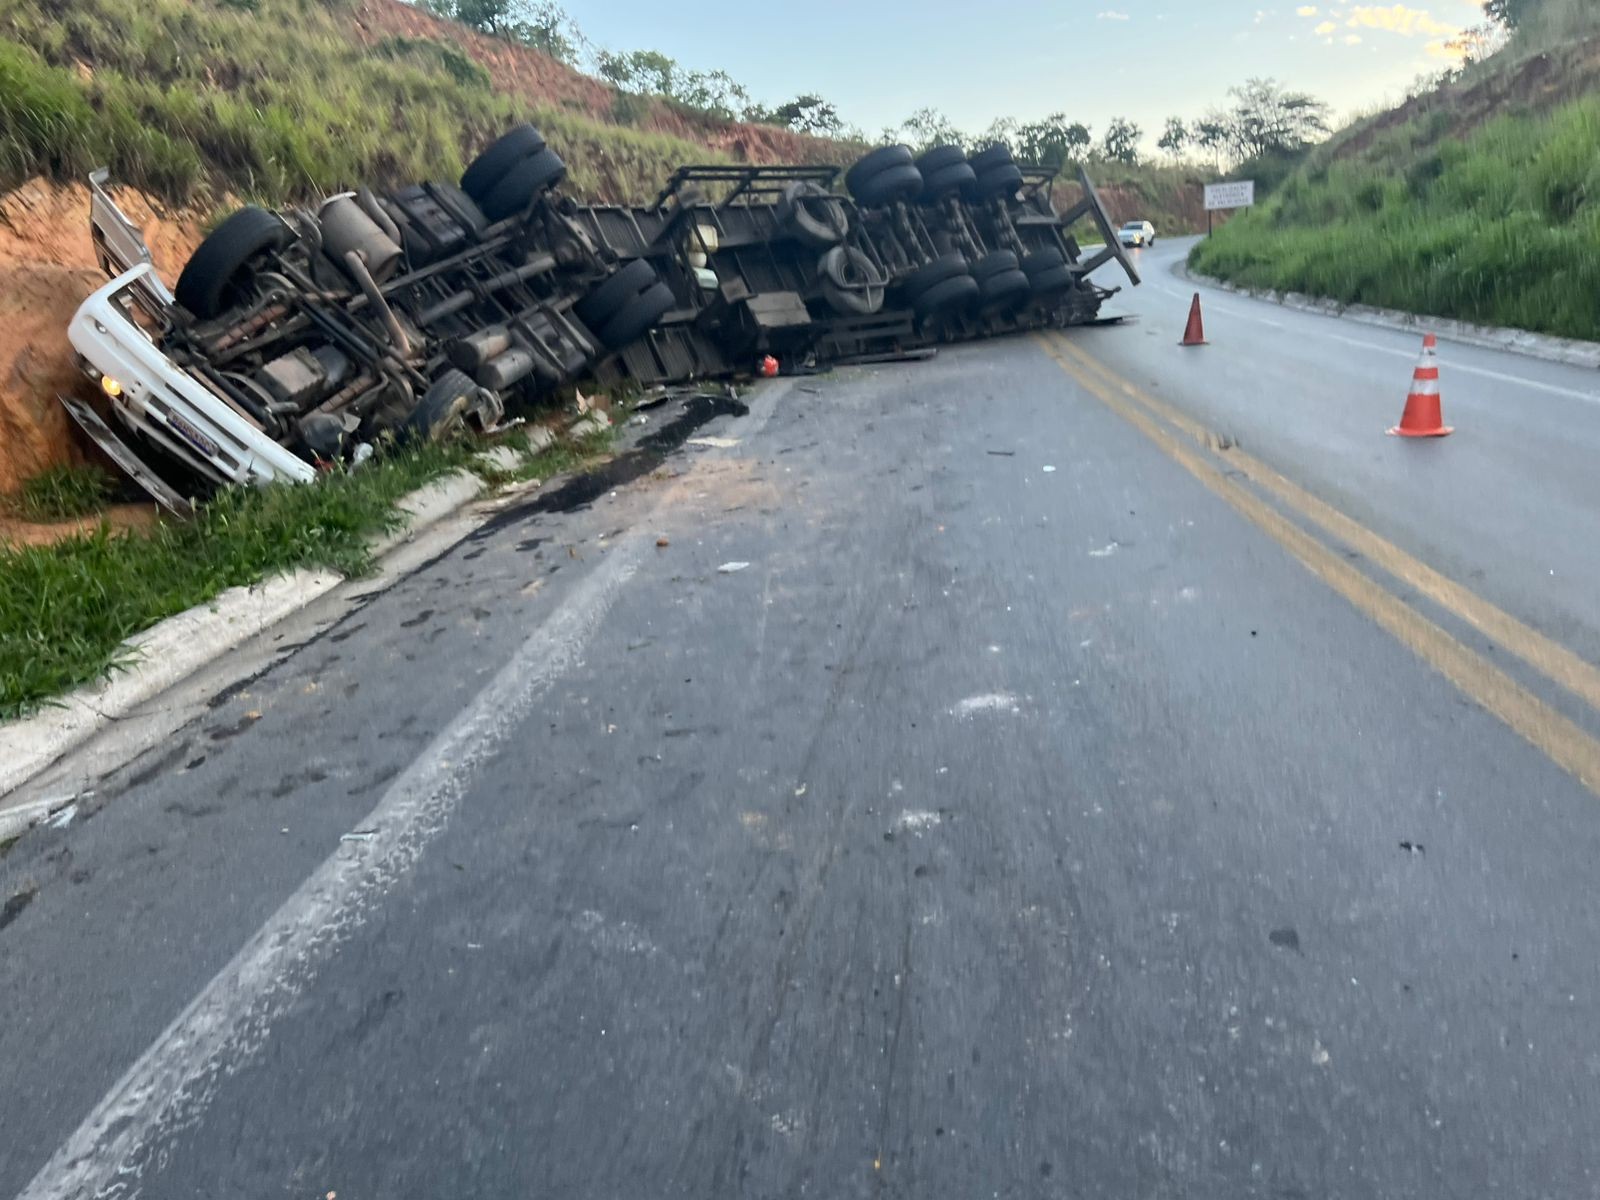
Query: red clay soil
{"x":542,"y":81}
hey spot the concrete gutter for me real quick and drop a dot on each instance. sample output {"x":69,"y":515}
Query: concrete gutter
{"x":171,"y":650}
{"x":1517,"y":341}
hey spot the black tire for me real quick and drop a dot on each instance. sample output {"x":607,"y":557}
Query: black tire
{"x":959,"y":292}
{"x":888,"y":187}
{"x":1053,"y":281}
{"x":216,"y":272}
{"x":1004,"y":289}
{"x":957,"y":177}
{"x":996,"y":263}
{"x":518,"y":187}
{"x":1004,"y":180}
{"x":991,"y":157}
{"x":812,"y":215}
{"x":939,"y":158}
{"x":882,"y":159}
{"x":930,"y":275}
{"x":615,"y":293}
{"x":642,"y":313}
{"x":442,"y":409}
{"x":851,"y":282}
{"x":1042,"y":260}
{"x":505,"y":152}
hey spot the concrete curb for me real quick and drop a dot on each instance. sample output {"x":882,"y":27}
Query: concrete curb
{"x":1517,"y":341}
{"x":170,"y":651}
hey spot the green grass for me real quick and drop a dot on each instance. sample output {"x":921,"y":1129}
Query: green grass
{"x":64,"y":492}
{"x":195,"y":99}
{"x":1499,"y":227}
{"x":66,"y":609}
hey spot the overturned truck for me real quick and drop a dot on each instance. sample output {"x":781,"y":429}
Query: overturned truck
{"x":306,"y":337}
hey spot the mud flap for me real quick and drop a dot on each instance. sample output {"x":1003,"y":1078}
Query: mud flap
{"x":1090,"y":206}
{"x":119,"y":452}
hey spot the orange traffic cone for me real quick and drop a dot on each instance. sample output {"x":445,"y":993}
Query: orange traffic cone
{"x":1423,"y":417}
{"x":1195,"y":334}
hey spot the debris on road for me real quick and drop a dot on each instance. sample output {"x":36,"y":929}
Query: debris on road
{"x":662,"y":543}
{"x":1106,"y":551}
{"x":713,"y":443}
{"x":728,"y":568}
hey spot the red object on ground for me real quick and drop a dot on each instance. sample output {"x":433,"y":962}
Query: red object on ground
{"x":1195,"y":333}
{"x":768,"y":366}
{"x":1423,"y":416}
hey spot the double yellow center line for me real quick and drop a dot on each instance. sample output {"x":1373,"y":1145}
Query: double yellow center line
{"x":1189,"y":444}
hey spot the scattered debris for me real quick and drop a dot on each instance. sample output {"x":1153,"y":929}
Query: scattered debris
{"x":359,"y":835}
{"x":917,"y":822}
{"x":1285,"y":938}
{"x":1319,"y":1056}
{"x":1413,"y":847}
{"x":713,"y":443}
{"x":662,"y":543}
{"x":64,"y":818}
{"x":1002,"y":453}
{"x":990,"y":702}
{"x":1049,"y":470}
{"x":728,"y":568}
{"x":1106,"y":551}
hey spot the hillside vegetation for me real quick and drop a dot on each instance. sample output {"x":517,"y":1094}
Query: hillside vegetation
{"x":282,"y":99}
{"x":1478,"y":201}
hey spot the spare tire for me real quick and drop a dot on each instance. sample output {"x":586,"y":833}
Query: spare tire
{"x":851,"y":282}
{"x":890,"y":187}
{"x":929,"y":275}
{"x":442,"y":409}
{"x":812,"y":215}
{"x":490,"y":167}
{"x":881,"y":159}
{"x":615,"y":293}
{"x":217,"y":272}
{"x":641,"y":313}
{"x":955,"y":293}
{"x":522,"y":183}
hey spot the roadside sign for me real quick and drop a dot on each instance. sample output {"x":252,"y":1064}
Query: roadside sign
{"x":1230,"y":195}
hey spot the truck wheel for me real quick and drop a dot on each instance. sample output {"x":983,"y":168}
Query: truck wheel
{"x":490,"y":167}
{"x":851,"y":282}
{"x":812,"y":216}
{"x":881,"y":159}
{"x":886,"y":187}
{"x":990,"y":157}
{"x":1004,"y":180}
{"x":1003,"y":289}
{"x":518,"y":187}
{"x":218,"y":271}
{"x":957,"y":177}
{"x":615,"y":293}
{"x":930,"y":275}
{"x":642,"y":313}
{"x":442,"y":409}
{"x":944,"y":297}
{"x":940,"y":157}
{"x":1051,"y":282}
{"x":996,"y":263}
{"x":1047,"y":259}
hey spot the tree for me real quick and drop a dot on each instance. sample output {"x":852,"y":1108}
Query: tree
{"x":1053,"y":142}
{"x":928,"y":127}
{"x":644,"y":72}
{"x":1121,"y":141}
{"x":1508,"y":13}
{"x":1268,"y":119}
{"x":806,"y":114}
{"x":1174,"y":138}
{"x":1211,"y":133}
{"x":541,"y":24}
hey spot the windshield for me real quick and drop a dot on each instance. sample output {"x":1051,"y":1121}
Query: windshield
{"x":1134,"y":225}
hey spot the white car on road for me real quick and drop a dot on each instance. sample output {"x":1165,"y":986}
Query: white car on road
{"x":1137,"y":233}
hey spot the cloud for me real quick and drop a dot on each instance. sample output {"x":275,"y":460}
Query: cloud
{"x":1326,"y":28}
{"x":1306,"y":10}
{"x":1111,"y":15}
{"x":1397,"y":18}
{"x":1352,"y":39}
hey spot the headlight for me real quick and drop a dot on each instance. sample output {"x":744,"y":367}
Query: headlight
{"x":110,"y":386}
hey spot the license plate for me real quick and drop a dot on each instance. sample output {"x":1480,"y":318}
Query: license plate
{"x":192,"y":435}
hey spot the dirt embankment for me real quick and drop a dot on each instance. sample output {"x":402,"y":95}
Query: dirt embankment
{"x":47,"y":267}
{"x":541,"y":80}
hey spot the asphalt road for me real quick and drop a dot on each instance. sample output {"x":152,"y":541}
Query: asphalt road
{"x":1052,"y":806}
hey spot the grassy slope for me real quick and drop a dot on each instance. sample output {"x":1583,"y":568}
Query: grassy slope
{"x":196,"y":98}
{"x":1481,"y":202}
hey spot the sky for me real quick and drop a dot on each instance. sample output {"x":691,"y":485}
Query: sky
{"x":880,"y":60}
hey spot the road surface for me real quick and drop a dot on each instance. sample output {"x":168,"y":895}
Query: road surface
{"x":1072,"y":767}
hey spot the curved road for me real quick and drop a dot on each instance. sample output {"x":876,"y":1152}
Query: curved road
{"x":1115,"y":770}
